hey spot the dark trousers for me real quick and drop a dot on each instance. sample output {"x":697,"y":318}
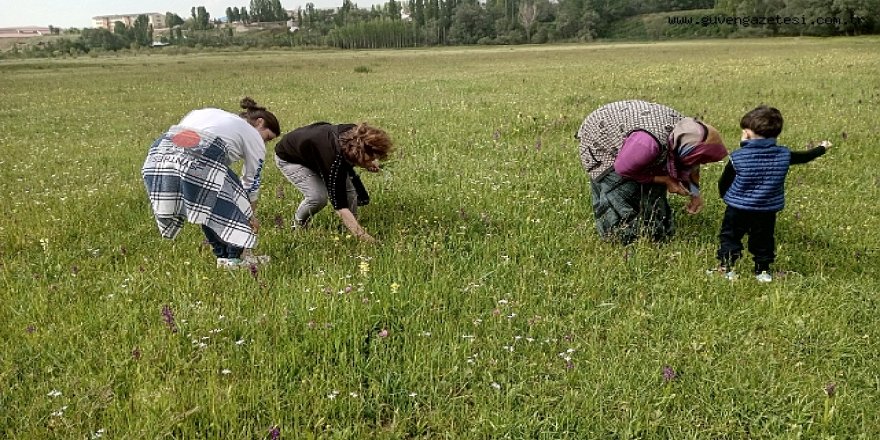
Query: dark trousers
{"x":626,"y":209}
{"x":221,"y":248}
{"x":760,"y":227}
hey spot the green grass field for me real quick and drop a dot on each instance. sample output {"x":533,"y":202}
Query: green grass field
{"x":490,"y":309}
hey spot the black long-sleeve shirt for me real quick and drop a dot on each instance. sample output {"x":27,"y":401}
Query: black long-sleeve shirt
{"x":797,"y":157}
{"x":316,"y":147}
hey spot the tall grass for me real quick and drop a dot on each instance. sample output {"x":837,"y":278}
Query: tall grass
{"x":490,"y":309}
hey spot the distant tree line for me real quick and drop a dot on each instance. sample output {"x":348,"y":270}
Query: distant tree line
{"x":410,"y":23}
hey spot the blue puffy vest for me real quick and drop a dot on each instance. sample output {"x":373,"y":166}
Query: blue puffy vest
{"x":761,"y":167}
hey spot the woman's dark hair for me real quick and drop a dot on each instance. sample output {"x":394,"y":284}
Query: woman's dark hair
{"x":764,"y":121}
{"x":364,"y":143}
{"x":253,"y":111}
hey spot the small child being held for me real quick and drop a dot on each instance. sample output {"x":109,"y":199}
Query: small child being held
{"x":753,"y":187}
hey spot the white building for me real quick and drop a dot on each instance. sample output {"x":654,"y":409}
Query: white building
{"x":23,"y":32}
{"x":108,"y":21}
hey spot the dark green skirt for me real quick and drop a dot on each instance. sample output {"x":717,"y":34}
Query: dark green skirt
{"x":626,"y":209}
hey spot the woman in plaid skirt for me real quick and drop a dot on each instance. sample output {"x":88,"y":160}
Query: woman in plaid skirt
{"x":188,"y":177}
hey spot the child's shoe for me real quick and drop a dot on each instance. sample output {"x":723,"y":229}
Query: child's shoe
{"x":764,"y":277}
{"x":728,"y":274}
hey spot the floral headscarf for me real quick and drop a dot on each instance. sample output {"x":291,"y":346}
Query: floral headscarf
{"x":693,"y":143}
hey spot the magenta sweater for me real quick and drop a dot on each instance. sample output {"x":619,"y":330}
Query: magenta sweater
{"x":637,"y":158}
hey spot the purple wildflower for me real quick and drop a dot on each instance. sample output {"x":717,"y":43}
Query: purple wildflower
{"x":831,"y":389}
{"x":669,"y":374}
{"x":168,"y":317}
{"x":136,"y":353}
{"x":30,"y":329}
{"x":348,"y":289}
{"x":275,"y":433}
{"x":254,"y":270}
{"x":383,"y":333}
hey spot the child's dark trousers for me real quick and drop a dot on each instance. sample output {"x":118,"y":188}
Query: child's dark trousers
{"x":760,"y":227}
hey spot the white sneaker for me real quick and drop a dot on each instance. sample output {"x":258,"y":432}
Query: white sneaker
{"x":255,"y":259}
{"x":298,"y":225}
{"x":230,"y":263}
{"x":728,"y":275}
{"x":245,"y":261}
{"x":764,"y":277}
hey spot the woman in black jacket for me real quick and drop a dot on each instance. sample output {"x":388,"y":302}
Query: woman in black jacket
{"x":319,"y":159}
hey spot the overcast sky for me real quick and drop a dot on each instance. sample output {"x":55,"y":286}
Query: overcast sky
{"x":79,"y":13}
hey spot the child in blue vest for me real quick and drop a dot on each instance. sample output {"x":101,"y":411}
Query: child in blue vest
{"x":752,"y":185}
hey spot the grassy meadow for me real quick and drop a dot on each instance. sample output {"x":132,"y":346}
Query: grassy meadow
{"x":490,"y":309}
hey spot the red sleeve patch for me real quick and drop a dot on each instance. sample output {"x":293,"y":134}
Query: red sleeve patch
{"x":186,"y":139}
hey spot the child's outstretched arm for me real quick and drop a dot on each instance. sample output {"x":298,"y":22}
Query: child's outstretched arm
{"x":799,"y":157}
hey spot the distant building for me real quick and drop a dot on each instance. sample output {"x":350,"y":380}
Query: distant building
{"x":25,"y":31}
{"x":108,"y":21}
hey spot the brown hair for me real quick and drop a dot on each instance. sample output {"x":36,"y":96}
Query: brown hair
{"x":253,"y":111}
{"x":364,"y":143}
{"x":764,"y":121}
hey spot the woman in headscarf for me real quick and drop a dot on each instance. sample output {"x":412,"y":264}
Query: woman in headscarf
{"x":637,"y":151}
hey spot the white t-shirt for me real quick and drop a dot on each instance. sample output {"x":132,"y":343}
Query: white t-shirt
{"x":243,"y":141}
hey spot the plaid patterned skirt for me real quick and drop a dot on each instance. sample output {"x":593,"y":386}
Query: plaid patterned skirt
{"x":187,"y":179}
{"x":626,"y":209}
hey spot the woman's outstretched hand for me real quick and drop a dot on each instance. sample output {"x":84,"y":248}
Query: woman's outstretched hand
{"x":373,"y":166}
{"x":695,"y":205}
{"x":676,"y":187}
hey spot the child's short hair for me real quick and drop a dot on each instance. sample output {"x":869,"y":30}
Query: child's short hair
{"x":764,"y":121}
